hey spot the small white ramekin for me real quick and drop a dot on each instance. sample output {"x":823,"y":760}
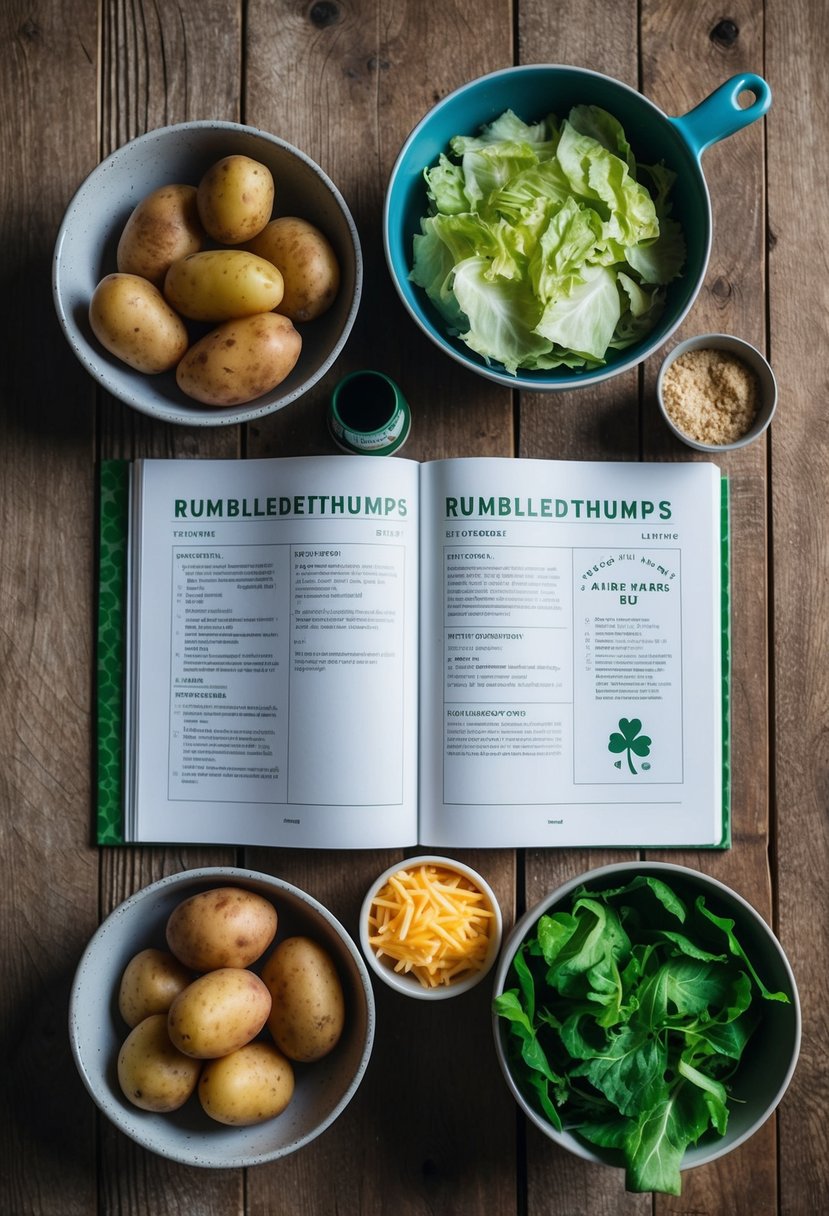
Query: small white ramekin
{"x":406,"y":983}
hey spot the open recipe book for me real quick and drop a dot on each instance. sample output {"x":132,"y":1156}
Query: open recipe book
{"x":346,"y":651}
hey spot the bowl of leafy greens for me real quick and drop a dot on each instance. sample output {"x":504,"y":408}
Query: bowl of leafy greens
{"x":547,"y":226}
{"x":646,"y":1017}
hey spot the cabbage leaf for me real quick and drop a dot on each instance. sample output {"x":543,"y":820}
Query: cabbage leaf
{"x":546,"y":244}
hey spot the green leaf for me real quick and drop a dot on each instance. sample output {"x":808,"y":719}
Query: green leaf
{"x":713,"y":1094}
{"x":684,"y":945}
{"x":694,"y":986}
{"x":530,"y":197}
{"x":724,"y":1039}
{"x":541,"y":1089}
{"x":668,"y":898}
{"x":607,"y":130}
{"x":433,"y":270}
{"x":502,"y":314}
{"x":574,"y":1033}
{"x":444,"y":186}
{"x":554,"y":932}
{"x":490,"y":165}
{"x":629,"y":1070}
{"x":630,"y":728}
{"x":654,"y":1148}
{"x":564,"y":247}
{"x":535,"y":1058}
{"x":610,"y":1133}
{"x":598,"y":940}
{"x":727,"y":926}
{"x":583,"y":318}
{"x":526,"y":981}
{"x":661,"y":260}
{"x":508,"y":1006}
{"x":598,"y":176}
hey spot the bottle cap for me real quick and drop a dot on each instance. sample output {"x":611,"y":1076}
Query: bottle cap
{"x":368,"y":414}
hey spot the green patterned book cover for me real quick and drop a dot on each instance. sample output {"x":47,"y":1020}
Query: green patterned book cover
{"x":112,"y":572}
{"x":725,"y":582}
{"x":113,"y":651}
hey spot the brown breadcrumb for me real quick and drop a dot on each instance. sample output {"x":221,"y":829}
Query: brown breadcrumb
{"x":712,"y":396}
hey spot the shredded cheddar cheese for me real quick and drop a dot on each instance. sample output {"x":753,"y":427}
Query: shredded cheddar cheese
{"x":432,"y":923}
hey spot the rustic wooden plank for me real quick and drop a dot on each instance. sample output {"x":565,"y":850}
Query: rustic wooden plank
{"x":601,"y":422}
{"x":344,"y":84}
{"x":347,"y":83}
{"x":687,"y":53}
{"x":796,"y":55}
{"x":160,"y":65}
{"x":583,"y":424}
{"x":48,"y":881}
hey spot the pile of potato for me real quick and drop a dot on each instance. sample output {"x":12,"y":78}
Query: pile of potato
{"x":203,"y":1021}
{"x":212,"y":255}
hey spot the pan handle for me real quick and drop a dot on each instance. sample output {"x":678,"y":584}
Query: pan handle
{"x":720,"y":114}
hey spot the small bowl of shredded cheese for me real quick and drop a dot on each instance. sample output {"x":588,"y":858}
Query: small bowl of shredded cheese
{"x":431,"y":927}
{"x":716,"y":392}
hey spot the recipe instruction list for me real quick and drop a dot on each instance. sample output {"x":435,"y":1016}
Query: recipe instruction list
{"x":548,"y":653}
{"x":551,"y":653}
{"x":278,"y":644}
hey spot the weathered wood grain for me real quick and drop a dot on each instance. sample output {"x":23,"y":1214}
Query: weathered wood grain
{"x":48,"y":873}
{"x":686,"y":55}
{"x":346,"y":80}
{"x":584,"y":424}
{"x":160,"y":65}
{"x":343,"y":89}
{"x":796,"y":56}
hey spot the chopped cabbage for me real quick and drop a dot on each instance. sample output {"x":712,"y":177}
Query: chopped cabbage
{"x":543,"y":247}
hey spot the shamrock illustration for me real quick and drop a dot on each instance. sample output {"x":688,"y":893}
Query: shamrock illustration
{"x":629,"y":741}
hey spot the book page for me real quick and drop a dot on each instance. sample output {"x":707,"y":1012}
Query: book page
{"x":274,"y":698}
{"x":571,"y":654}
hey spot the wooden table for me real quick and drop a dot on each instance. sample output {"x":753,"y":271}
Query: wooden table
{"x":346,"y":82}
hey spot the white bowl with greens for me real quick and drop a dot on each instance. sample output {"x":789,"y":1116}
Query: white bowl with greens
{"x":646,"y":1017}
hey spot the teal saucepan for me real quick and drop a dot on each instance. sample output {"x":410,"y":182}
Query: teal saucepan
{"x":532,"y":92}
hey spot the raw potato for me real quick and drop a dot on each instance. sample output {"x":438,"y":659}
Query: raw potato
{"x":131,"y":318}
{"x":220,"y":284}
{"x":235,"y":199}
{"x":222,"y":927}
{"x":163,"y":227}
{"x":151,"y":981}
{"x":249,"y":1086}
{"x":152,"y":1073}
{"x":308,"y":1008}
{"x":218,"y":1013}
{"x":308,"y":264}
{"x":240,"y":360}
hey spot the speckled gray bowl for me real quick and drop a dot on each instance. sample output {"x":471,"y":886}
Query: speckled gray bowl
{"x":96,"y":1031}
{"x":88,"y":237}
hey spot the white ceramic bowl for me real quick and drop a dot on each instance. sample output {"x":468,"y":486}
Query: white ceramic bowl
{"x":96,"y":1030}
{"x":406,"y":983}
{"x":88,"y":237}
{"x":751,"y":357}
{"x":770,"y":1056}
